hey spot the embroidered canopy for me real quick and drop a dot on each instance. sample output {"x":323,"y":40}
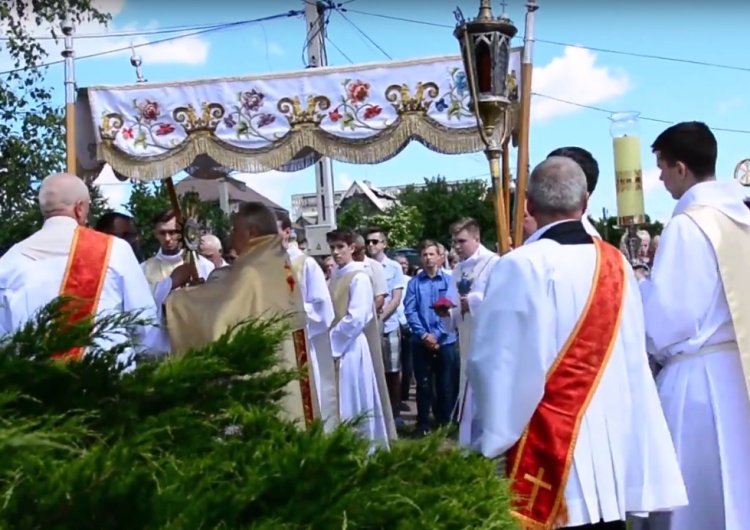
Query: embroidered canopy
{"x":362,"y":114}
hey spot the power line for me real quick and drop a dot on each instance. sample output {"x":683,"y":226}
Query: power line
{"x":643,"y":118}
{"x":133,"y":33}
{"x":362,"y":33}
{"x":341,"y":52}
{"x":289,"y":14}
{"x":573,"y":103}
{"x":556,"y":43}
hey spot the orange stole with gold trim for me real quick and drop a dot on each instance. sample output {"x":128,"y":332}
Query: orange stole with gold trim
{"x":84,"y":278}
{"x":539,"y":464}
{"x":301,"y":354}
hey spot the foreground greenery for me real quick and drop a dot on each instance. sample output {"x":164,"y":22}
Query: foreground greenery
{"x":188,"y":444}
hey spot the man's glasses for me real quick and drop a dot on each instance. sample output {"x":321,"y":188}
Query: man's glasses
{"x":373,"y":241}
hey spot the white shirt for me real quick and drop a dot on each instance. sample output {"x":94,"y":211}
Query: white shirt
{"x":589,"y":227}
{"x":348,"y":333}
{"x":315,"y":294}
{"x":623,"y":456}
{"x":376,"y":272}
{"x":31,"y":275}
{"x":684,"y":300}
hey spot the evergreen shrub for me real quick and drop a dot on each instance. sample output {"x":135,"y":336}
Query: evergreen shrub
{"x":195,"y":443}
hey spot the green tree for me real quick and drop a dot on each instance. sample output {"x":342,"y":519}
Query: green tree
{"x":352,"y":216}
{"x":612,"y":233}
{"x":403,"y":224}
{"x":148,"y":199}
{"x":441,"y":203}
{"x":172,"y":445}
{"x":32,"y":141}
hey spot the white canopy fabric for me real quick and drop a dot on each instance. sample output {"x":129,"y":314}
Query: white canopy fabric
{"x":361,"y":114}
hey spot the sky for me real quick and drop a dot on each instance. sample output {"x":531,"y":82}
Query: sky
{"x":598,"y":57}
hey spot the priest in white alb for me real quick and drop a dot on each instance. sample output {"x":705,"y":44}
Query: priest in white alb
{"x":319,"y":311}
{"x":354,"y":337}
{"x":465,"y":293}
{"x":97,"y":272}
{"x":697,"y":310}
{"x":170,"y":256}
{"x":560,"y":375}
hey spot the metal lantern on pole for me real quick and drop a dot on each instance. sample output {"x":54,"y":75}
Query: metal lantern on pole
{"x":485,"y":49}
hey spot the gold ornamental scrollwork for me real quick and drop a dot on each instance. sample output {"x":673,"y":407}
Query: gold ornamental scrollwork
{"x":110,"y":126}
{"x":310,"y":116}
{"x":404,"y":101}
{"x":206,"y":121}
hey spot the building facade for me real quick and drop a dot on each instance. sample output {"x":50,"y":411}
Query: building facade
{"x":378,"y":199}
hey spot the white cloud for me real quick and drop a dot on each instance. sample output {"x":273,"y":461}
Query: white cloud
{"x":728,"y":105}
{"x":574,"y":77}
{"x":651,"y":179}
{"x":187,"y":50}
{"x":114,"y":191}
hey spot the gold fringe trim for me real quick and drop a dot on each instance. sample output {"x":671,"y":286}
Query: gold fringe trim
{"x":298,"y":150}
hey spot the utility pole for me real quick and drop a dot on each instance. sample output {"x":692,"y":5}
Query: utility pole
{"x":315,"y":20}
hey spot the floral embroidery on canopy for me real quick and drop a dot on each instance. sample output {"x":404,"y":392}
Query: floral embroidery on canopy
{"x":360,"y":114}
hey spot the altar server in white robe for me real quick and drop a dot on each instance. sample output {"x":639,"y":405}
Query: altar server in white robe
{"x":697,"y":310}
{"x":65,"y":258}
{"x":466,"y":292}
{"x":319,"y":310}
{"x":560,"y":374}
{"x":352,"y":334}
{"x":170,"y":256}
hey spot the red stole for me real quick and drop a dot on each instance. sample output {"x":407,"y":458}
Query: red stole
{"x":539,"y":464}
{"x":84,"y":278}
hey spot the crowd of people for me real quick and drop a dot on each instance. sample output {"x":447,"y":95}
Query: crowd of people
{"x":544,"y":357}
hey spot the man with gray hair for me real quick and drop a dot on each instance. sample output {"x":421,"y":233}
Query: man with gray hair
{"x":560,"y":375}
{"x":65,"y":258}
{"x":211,"y":250}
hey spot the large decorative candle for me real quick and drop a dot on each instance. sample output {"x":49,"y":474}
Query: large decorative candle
{"x":628,"y":170}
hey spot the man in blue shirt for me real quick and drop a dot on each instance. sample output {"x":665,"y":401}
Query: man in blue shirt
{"x":394,"y":276}
{"x":434,"y":351}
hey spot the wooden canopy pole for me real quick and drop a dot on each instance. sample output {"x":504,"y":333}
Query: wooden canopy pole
{"x":524,"y":122}
{"x":179,"y":216}
{"x":506,"y":180}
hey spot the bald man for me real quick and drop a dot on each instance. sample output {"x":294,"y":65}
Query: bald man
{"x":211,"y":250}
{"x":66,"y":258}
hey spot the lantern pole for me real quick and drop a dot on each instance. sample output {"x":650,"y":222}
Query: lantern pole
{"x":485,"y":49}
{"x":68,"y":53}
{"x":524,"y":122}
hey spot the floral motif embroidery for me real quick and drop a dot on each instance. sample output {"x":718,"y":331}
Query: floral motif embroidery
{"x":248,"y":116}
{"x":456,"y":102}
{"x":354,"y":111}
{"x":148,"y":126}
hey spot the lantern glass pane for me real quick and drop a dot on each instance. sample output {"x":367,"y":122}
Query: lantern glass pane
{"x":483,"y":55}
{"x":502,"y":60}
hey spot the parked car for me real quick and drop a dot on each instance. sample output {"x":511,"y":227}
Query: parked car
{"x":410,"y":254}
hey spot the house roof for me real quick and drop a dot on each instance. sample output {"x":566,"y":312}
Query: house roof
{"x":208,"y":191}
{"x":381,"y":199}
